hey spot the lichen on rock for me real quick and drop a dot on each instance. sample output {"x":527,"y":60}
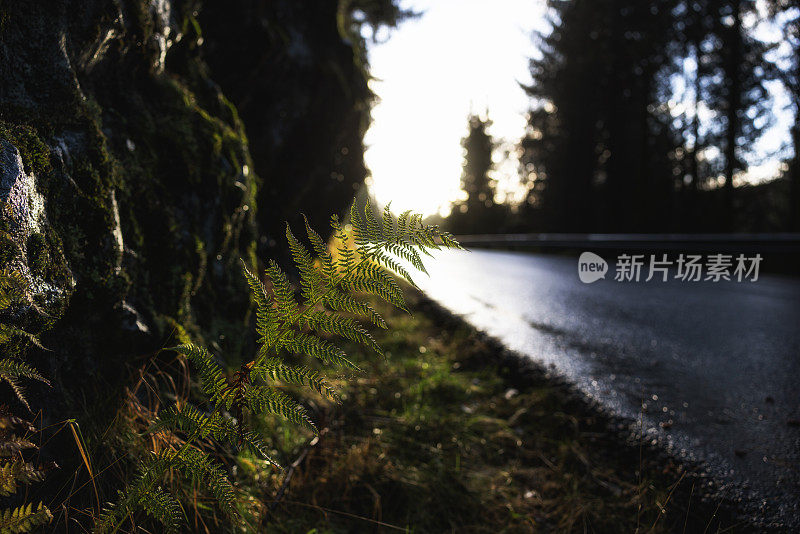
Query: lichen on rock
{"x":24,"y":223}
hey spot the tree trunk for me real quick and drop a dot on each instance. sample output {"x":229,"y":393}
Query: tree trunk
{"x":733,"y":76}
{"x":794,"y":176}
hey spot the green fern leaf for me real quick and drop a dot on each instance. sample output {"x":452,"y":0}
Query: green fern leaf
{"x":373,"y":225}
{"x":149,"y":473}
{"x":263,"y":399}
{"x":287,"y":308}
{"x":338,"y":301}
{"x":310,"y":278}
{"x":24,"y":518}
{"x":199,"y":466}
{"x":17,"y":472}
{"x":213,"y":381}
{"x":231,"y":433}
{"x":275,"y":369}
{"x":383,"y":246}
{"x":162,"y":506}
{"x":8,"y":333}
{"x":11,"y":370}
{"x":366,"y":284}
{"x":346,"y":327}
{"x":15,"y":369}
{"x":267,"y":324}
{"x":187,"y":419}
{"x":302,"y":343}
{"x":328,"y":268}
{"x":14,"y":288}
{"x":190,"y":420}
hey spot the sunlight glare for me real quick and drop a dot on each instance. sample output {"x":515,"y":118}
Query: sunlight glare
{"x":461,"y":56}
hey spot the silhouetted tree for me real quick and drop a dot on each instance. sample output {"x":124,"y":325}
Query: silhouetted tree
{"x":787,"y":69}
{"x":737,"y":94}
{"x":478,"y":147}
{"x":478,"y":213}
{"x":619,"y":136}
{"x":596,"y":130}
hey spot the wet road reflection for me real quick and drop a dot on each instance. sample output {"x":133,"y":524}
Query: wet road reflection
{"x":715,"y":365}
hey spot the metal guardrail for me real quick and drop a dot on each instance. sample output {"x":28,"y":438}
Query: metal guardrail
{"x":774,"y":242}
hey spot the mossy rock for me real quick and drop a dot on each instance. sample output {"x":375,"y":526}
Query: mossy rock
{"x":145,"y":176}
{"x":151,"y":194}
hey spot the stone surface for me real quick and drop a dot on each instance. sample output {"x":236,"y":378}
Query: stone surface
{"x":131,"y":174}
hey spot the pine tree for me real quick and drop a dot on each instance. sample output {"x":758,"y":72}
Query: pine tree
{"x":786,"y":15}
{"x":478,"y":213}
{"x":740,"y":99}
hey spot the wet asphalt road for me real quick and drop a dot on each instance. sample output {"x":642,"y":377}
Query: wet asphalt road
{"x":716,"y":363}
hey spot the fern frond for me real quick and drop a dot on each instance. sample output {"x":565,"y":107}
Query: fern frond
{"x":24,"y":518}
{"x":17,"y":472}
{"x":302,"y":343}
{"x":402,"y":222}
{"x":11,"y":370}
{"x":403,"y":239}
{"x":346,"y":327}
{"x":8,"y":333}
{"x":383,"y":259}
{"x":267,"y":326}
{"x":190,"y":420}
{"x":162,"y":506}
{"x":339,"y":301}
{"x":18,"y":390}
{"x":199,"y":466}
{"x":371,"y":278}
{"x":389,"y":229}
{"x":187,"y":419}
{"x":373,"y":225}
{"x":347,"y":258}
{"x":212,"y":379}
{"x":190,"y":461}
{"x":310,"y":278}
{"x":113,"y":514}
{"x":323,"y":254}
{"x":286,"y":304}
{"x":13,"y":288}
{"x":362,"y":260}
{"x":235,"y":435}
{"x":275,"y":369}
{"x":263,"y":399}
{"x":13,"y":445}
{"x":15,"y":369}
{"x":128,"y":501}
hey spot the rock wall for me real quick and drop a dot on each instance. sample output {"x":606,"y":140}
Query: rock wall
{"x":129,"y":188}
{"x":301,"y":89}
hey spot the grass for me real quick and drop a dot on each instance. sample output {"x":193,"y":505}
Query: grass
{"x":447,"y":433}
{"x":450,"y":434}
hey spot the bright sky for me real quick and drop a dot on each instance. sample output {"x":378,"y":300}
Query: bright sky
{"x":470,"y":55}
{"x":461,"y":55}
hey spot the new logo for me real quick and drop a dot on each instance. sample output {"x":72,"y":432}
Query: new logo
{"x":591,"y":267}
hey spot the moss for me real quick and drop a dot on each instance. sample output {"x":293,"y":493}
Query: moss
{"x":37,"y":253}
{"x":34,"y":152}
{"x":57,"y":270}
{"x":8,"y":249}
{"x":3,"y":16}
{"x":180,"y":189}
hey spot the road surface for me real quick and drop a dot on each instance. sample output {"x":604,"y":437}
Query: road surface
{"x":718,"y":364}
